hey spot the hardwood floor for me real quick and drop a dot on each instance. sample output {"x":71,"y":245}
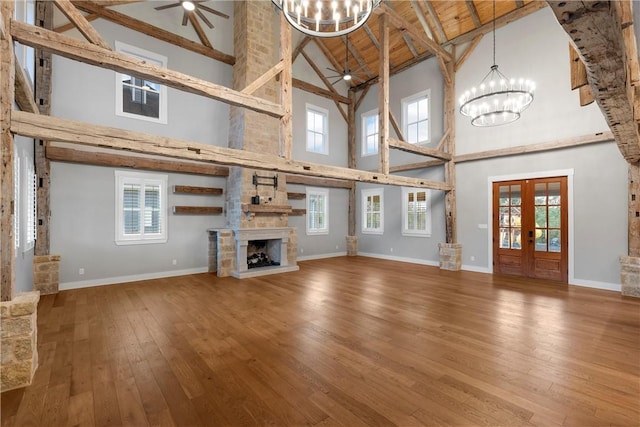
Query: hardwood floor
{"x":344,"y":341}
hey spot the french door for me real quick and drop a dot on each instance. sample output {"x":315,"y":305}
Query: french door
{"x":530,"y":228}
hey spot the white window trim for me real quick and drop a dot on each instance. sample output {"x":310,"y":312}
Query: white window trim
{"x":17,"y":211}
{"x":325,"y":144}
{"x":365,"y":195}
{"x":323,"y":192}
{"x":405,"y":101}
{"x":405,"y":213}
{"x":154,"y":58}
{"x":29,"y":203}
{"x":140,"y":178}
{"x":363,"y":139}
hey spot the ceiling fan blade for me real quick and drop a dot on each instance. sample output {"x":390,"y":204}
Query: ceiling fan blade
{"x":167,"y":6}
{"x":185,"y":17}
{"x":204,"y":18}
{"x":215,"y":12}
{"x":335,"y":71}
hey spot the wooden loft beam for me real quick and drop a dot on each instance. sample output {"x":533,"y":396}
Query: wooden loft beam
{"x":70,"y":25}
{"x":596,"y":30}
{"x":327,"y":53}
{"x":361,"y":62}
{"x":419,"y":165}
{"x":57,"y":129}
{"x":474,"y":13}
{"x":319,"y":182}
{"x":81,"y":23}
{"x":70,"y":155}
{"x":263,"y":79}
{"x":417,"y":149}
{"x":467,"y":52}
{"x":23,"y":92}
{"x":305,"y":41}
{"x":308,"y":87}
{"x":91,"y":54}
{"x":150,"y":30}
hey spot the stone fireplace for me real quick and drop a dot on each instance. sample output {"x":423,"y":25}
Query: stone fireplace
{"x":256,"y":200}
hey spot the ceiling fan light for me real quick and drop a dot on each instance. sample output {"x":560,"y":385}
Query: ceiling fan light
{"x":346,"y":77}
{"x":188,"y":5}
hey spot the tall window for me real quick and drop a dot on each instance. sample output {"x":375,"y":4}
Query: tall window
{"x":317,"y":211}
{"x":317,"y":128}
{"x":370,"y":132}
{"x":415,"y":118}
{"x":137,"y":97}
{"x":16,"y":197}
{"x":30,"y":203}
{"x":141,"y":206}
{"x":416,"y":218}
{"x":373,"y":211}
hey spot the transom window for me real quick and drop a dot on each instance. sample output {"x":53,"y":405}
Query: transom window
{"x":370,"y":133}
{"x":373,"y":211}
{"x":140,"y":208}
{"x":416,"y":218}
{"x":415,"y":118}
{"x":317,"y":211}
{"x":137,"y":97}
{"x":317,"y":119}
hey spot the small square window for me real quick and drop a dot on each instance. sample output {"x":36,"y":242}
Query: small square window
{"x":317,"y":128}
{"x":373,"y":211}
{"x":370,"y":133}
{"x":416,"y":212}
{"x":415,"y":118}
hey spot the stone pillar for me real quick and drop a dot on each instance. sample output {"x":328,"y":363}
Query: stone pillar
{"x":352,"y":245}
{"x":226,"y":253}
{"x":292,"y":249}
{"x":45,"y":273}
{"x":18,"y":340}
{"x":450,"y":256}
{"x":630,"y":276}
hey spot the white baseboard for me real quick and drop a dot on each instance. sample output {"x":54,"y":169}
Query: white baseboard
{"x":476,"y":269}
{"x":401,"y":259}
{"x":134,"y":278}
{"x":596,"y":285}
{"x":321,"y":256}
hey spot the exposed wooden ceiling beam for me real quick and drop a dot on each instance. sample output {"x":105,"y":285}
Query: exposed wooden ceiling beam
{"x":417,"y":9}
{"x":23,"y":92}
{"x":418,"y":149}
{"x":263,"y":79}
{"x":373,"y":39}
{"x":327,"y":83}
{"x":414,"y":166}
{"x":308,"y":87}
{"x":436,"y":21}
{"x":81,"y":23}
{"x":467,"y":52}
{"x":150,"y":30}
{"x":327,"y":53}
{"x":407,"y":40}
{"x":361,"y":62}
{"x":70,"y":25}
{"x":57,"y":129}
{"x":403,"y":25}
{"x":305,"y":41}
{"x":474,"y":13}
{"x":319,"y":182}
{"x":88,"y":53}
{"x":199,"y":31}
{"x":595,"y":28}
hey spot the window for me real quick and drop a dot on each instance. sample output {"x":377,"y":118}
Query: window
{"x":139,"y":98}
{"x":416,"y":218}
{"x":317,"y":119}
{"x":141,"y":201}
{"x":415,"y":118}
{"x":25,"y":11}
{"x":373,"y":211}
{"x":370,"y":132}
{"x":30,"y":203}
{"x":317,"y":211}
{"x":16,"y":197}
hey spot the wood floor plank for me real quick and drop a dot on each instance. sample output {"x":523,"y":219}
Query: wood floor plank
{"x":348,"y":341}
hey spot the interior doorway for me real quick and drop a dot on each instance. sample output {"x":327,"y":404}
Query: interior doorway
{"x":530,"y":228}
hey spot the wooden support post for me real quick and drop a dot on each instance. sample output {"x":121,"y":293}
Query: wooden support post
{"x":7,"y":199}
{"x":383,"y":96}
{"x":449,"y":167}
{"x":42,"y":89}
{"x":286,"y":90}
{"x":351,"y":160}
{"x":634,"y":210}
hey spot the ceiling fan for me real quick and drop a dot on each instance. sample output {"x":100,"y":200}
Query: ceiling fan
{"x":346,"y":74}
{"x":194,"y":6}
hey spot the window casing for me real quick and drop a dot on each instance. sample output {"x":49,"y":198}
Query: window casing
{"x":16,"y":198}
{"x":370,"y":133}
{"x":415,"y":118}
{"x":416,"y":212}
{"x":373,"y":211}
{"x":30,"y":203}
{"x":317,"y":211}
{"x":25,"y":11}
{"x":139,"y":98}
{"x":317,"y":128}
{"x":141,"y":208}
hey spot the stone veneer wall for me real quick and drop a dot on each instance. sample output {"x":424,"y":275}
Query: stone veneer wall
{"x":45,"y":274}
{"x":352,"y":245}
{"x":450,"y":256}
{"x":630,"y":276}
{"x":18,"y":340}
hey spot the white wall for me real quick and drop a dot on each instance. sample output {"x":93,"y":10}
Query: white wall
{"x":24,"y":254}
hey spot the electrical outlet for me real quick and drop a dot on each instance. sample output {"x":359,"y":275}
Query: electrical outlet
{"x":81,"y":271}
{"x":390,"y":249}
{"x":301,"y":250}
{"x":174,"y":262}
{"x":473,"y":258}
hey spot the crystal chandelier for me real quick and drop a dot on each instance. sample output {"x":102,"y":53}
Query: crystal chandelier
{"x":326,"y":18}
{"x":497,"y":100}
